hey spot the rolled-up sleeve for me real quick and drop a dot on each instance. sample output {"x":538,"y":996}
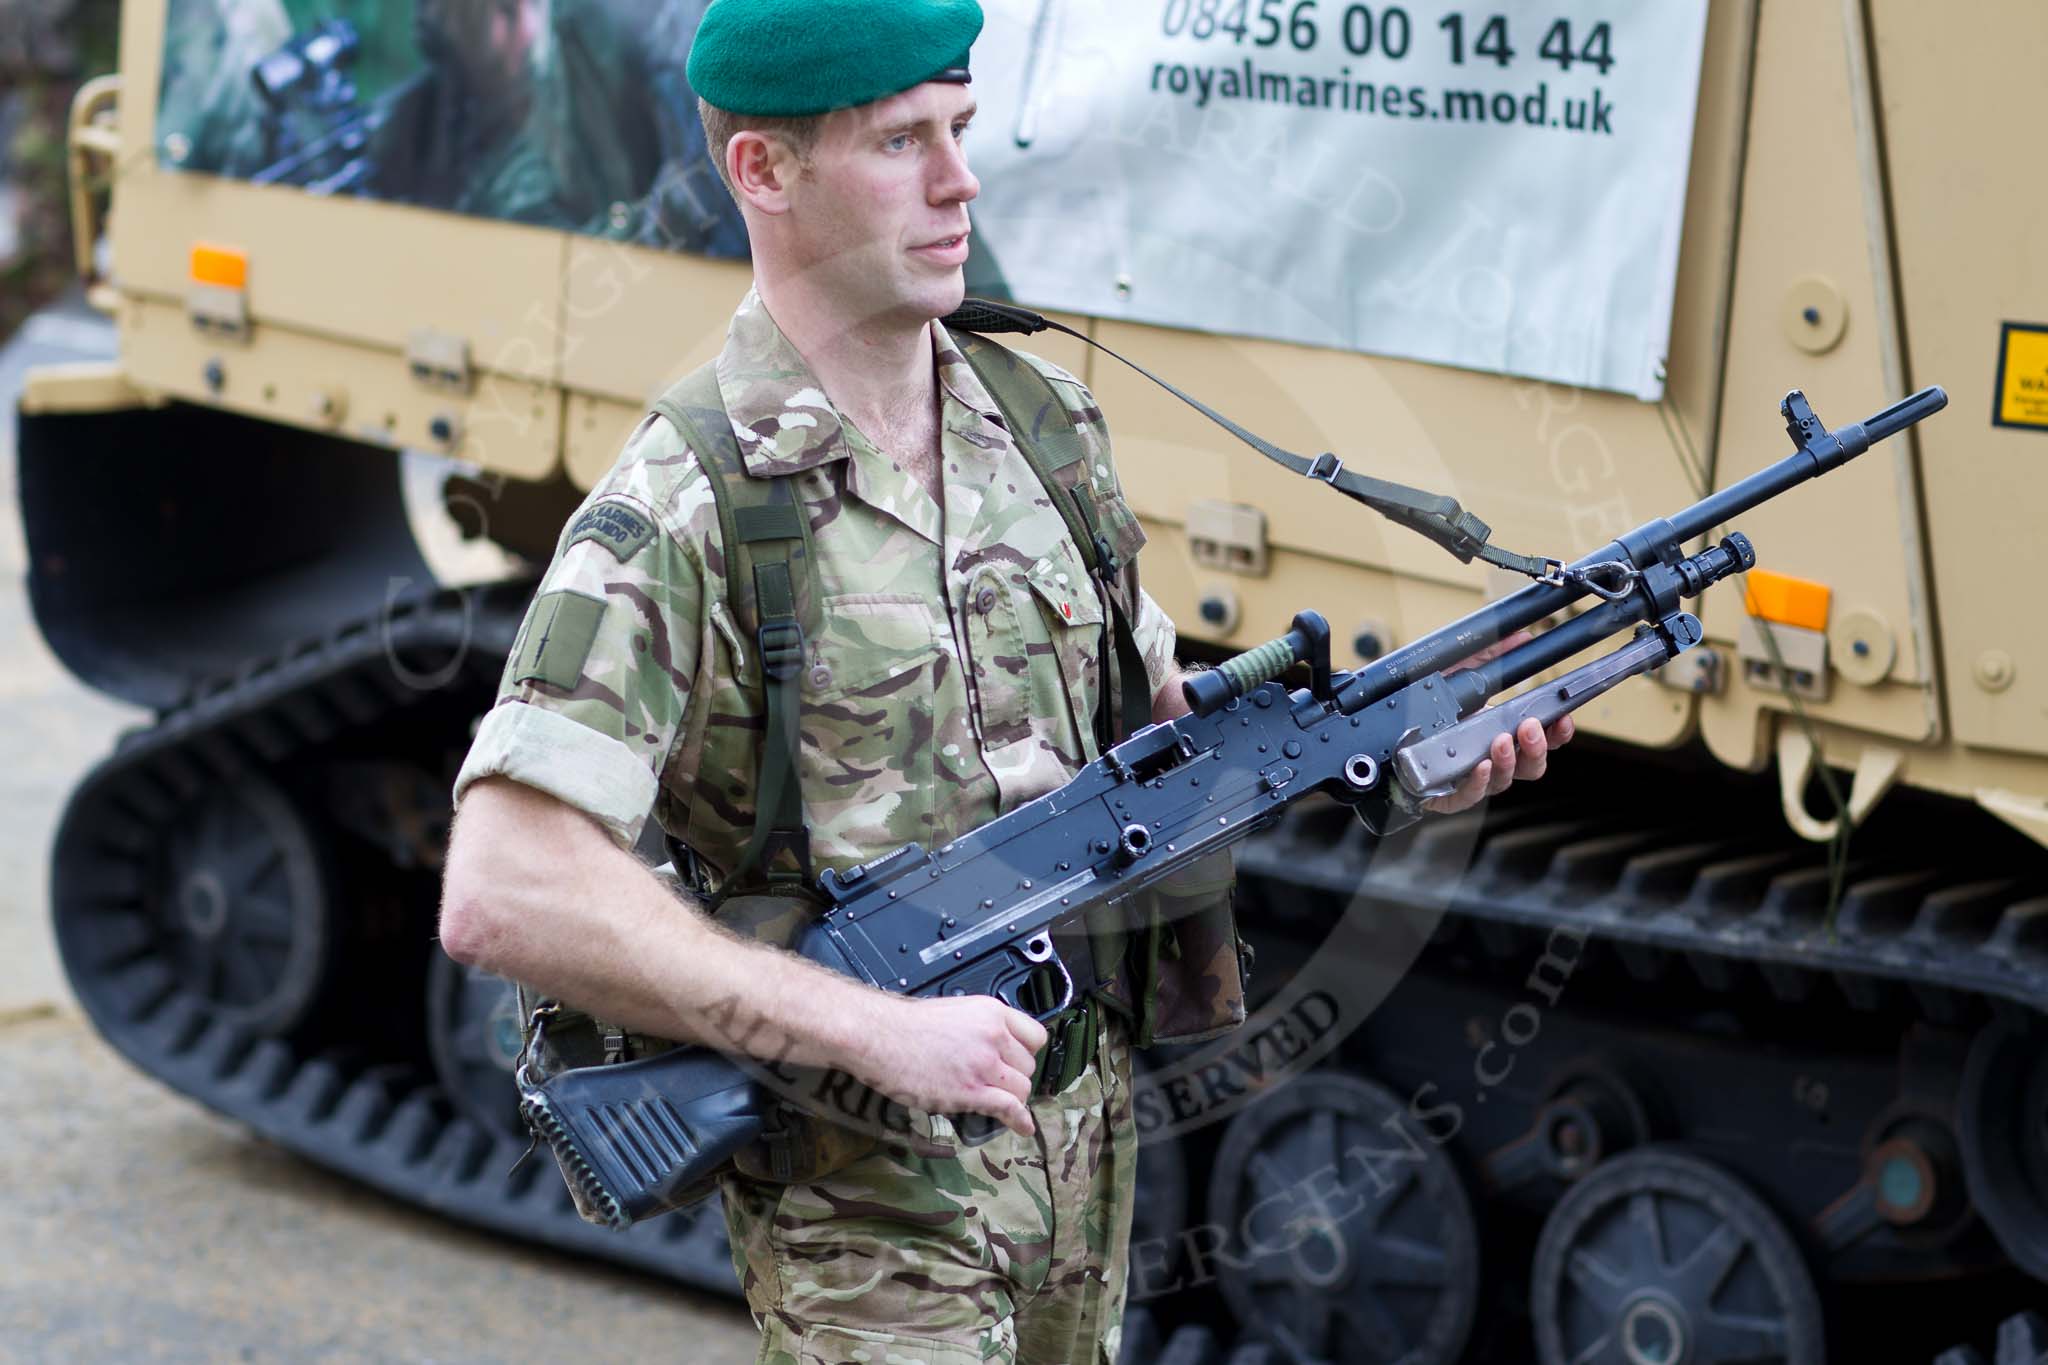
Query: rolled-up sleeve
{"x":545,"y":750}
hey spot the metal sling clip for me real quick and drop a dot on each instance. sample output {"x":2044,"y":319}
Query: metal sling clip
{"x":1620,"y":575}
{"x":522,"y":1074}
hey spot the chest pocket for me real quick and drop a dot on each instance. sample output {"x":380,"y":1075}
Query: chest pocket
{"x":1095,"y":505}
{"x":1069,"y":612}
{"x":866,"y":756}
{"x":866,"y":639}
{"x":1000,"y":637}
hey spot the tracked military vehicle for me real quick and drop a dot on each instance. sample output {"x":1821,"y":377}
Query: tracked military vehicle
{"x":1725,"y":1041}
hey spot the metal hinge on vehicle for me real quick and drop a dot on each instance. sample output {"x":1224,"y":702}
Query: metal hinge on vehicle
{"x":439,"y":360}
{"x":1227,"y":536}
{"x":1798,"y":664}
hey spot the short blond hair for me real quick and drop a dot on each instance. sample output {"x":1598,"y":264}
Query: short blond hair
{"x":800,"y":135}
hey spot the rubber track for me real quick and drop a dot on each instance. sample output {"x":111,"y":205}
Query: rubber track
{"x":1730,"y":907}
{"x":387,"y":1125}
{"x":1735,"y":909}
{"x":2022,"y":1340}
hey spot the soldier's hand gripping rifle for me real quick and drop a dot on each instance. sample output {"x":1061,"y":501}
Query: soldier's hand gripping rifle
{"x":984,"y":913}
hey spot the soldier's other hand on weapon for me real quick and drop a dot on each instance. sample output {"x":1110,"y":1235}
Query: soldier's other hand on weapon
{"x":953,"y":1055}
{"x":1525,"y":757}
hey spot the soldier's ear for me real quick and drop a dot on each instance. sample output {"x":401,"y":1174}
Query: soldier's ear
{"x":761,"y":167}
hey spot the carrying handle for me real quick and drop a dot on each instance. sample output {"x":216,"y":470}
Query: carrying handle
{"x":1308,"y":642}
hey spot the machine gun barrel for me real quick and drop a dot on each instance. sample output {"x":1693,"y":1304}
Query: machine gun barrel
{"x":1914,"y":407}
{"x":351,"y":136}
{"x":1820,"y":450}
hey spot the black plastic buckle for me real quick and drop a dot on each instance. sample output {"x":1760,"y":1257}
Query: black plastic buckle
{"x":1106,"y":563}
{"x":795,"y":842}
{"x":782,"y":648}
{"x":1064,"y":1061}
{"x":1055,"y":1064}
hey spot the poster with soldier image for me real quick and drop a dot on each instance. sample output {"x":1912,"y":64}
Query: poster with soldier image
{"x":561,"y":113}
{"x":1503,"y":192}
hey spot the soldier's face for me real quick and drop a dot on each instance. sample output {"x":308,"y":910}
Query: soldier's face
{"x":882,"y":215}
{"x":487,"y":40}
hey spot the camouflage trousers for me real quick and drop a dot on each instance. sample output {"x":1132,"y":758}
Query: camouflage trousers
{"x":921,"y":1253}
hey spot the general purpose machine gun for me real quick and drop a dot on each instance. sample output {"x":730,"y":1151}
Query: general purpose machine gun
{"x":985,"y":914}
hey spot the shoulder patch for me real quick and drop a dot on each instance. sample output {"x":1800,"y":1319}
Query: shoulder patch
{"x":558,"y":637}
{"x":614,"y":523}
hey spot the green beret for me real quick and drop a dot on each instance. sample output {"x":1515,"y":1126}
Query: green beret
{"x":792,"y":58}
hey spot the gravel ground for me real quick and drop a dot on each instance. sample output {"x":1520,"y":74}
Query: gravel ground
{"x":134,"y":1225}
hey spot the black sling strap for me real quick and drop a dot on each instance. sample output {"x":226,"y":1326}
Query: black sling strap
{"x":1433,"y":515}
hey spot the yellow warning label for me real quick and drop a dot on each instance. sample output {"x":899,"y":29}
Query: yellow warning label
{"x":2023,"y":376}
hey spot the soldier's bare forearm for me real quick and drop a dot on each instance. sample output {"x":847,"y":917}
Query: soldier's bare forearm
{"x":537,"y":892}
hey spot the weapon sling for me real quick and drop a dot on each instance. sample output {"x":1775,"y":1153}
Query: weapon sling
{"x":1433,"y":515}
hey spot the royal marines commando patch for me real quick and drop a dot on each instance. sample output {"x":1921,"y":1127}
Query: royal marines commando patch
{"x":617,"y":525}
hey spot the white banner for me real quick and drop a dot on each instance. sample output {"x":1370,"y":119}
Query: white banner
{"x":1500,"y":188}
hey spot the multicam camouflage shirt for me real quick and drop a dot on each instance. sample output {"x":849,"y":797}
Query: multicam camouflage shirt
{"x":955,"y":673}
{"x":952,"y":673}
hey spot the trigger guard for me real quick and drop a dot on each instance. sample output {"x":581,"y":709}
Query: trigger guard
{"x":1066,"y":996}
{"x":1009,"y":996}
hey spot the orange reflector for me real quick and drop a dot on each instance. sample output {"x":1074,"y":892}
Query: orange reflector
{"x":223,"y":266}
{"x":1786,"y":600}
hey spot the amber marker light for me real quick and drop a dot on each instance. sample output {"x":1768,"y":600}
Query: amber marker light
{"x":223,"y":267}
{"x":1787,"y":601}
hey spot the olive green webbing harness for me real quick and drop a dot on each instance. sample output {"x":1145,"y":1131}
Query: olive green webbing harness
{"x":770,"y":576}
{"x":763,"y":534}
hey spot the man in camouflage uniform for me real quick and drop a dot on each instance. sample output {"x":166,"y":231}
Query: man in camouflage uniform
{"x":954,"y":673}
{"x":459,"y":135}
